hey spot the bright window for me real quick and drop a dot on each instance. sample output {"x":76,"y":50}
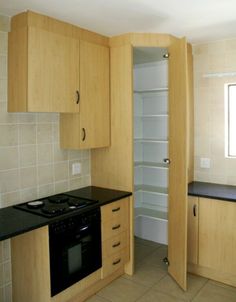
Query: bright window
{"x":230,"y":102}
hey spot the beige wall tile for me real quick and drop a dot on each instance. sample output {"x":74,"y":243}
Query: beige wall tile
{"x":28,"y":177}
{"x":61,"y":171}
{"x":7,"y":272}
{"x":10,"y":198}
{"x":8,"y":293}
{"x":46,"y":190}
{"x":45,"y":174}
{"x":44,"y":133}
{"x":3,"y":66}
{"x":26,"y":118}
{"x":9,"y":158}
{"x":27,"y":134}
{"x":6,"y":117}
{"x":27,"y":155}
{"x":55,"y":132}
{"x":3,"y":90}
{"x":6,"y":247}
{"x":75,"y":183}
{"x":75,"y":154}
{"x":45,"y":153}
{"x":3,"y":45}
{"x":59,"y":154}
{"x":8,"y":135}
{"x":4,"y":23}
{"x":1,"y":275}
{"x":9,"y":180}
{"x":61,"y":186}
{"x":1,"y":252}
{"x":28,"y":194}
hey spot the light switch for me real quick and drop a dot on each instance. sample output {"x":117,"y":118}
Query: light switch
{"x":205,"y":162}
{"x":76,"y":168}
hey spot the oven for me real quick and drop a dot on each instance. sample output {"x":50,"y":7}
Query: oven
{"x":75,"y":249}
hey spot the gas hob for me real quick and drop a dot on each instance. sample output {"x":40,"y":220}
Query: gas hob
{"x":55,"y":205}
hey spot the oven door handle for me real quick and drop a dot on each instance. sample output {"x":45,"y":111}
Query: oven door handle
{"x":84,"y":228}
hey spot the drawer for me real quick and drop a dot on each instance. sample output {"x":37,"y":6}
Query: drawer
{"x":115,"y":209}
{"x":114,"y":227}
{"x":115,"y":244}
{"x":114,"y":262}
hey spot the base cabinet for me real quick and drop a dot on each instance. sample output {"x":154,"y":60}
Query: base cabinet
{"x":115,"y":236}
{"x":212,"y":239}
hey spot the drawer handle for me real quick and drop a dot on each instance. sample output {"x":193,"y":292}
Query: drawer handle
{"x":194,"y":210}
{"x":78,"y":96}
{"x":116,"y":244}
{"x":116,"y":209}
{"x":115,"y":227}
{"x":117,"y":261}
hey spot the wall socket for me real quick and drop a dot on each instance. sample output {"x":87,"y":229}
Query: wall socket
{"x":76,"y":168}
{"x":205,"y":162}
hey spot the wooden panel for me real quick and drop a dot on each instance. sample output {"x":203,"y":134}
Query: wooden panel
{"x":115,"y":244}
{"x":17,"y":70}
{"x":217,"y":236}
{"x":33,"y":19}
{"x":53,"y":72}
{"x":177,"y":216}
{"x":193,"y":219}
{"x":113,"y":167}
{"x":30,"y":266}
{"x":142,"y":39}
{"x":190,"y":116}
{"x":115,"y":262}
{"x":94,"y":89}
{"x":70,"y":124}
{"x":115,"y":210}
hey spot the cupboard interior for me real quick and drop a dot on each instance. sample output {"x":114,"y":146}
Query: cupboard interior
{"x":150,"y":84}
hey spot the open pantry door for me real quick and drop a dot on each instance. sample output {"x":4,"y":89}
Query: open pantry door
{"x":177,"y":211}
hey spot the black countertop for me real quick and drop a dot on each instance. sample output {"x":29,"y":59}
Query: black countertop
{"x":210,"y":190}
{"x":14,"y":221}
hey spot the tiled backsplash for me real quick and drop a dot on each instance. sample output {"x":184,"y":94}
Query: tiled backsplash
{"x":32,"y":165}
{"x":209,"y":136}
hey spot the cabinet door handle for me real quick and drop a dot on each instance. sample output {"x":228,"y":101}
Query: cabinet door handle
{"x":78,"y":96}
{"x":116,"y":244}
{"x":166,"y":161}
{"x":116,"y":209}
{"x":115,"y":227}
{"x":84,"y":134}
{"x":117,"y":261}
{"x":195,"y":210}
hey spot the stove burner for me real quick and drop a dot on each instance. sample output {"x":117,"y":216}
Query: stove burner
{"x":36,"y":204}
{"x":77,"y":202}
{"x":58,"y":198}
{"x":53,"y":209}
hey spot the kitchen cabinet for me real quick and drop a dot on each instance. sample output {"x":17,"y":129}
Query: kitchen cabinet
{"x":43,"y":71}
{"x":91,"y":127}
{"x":115,"y":236}
{"x":215,"y":243}
{"x":114,"y":167}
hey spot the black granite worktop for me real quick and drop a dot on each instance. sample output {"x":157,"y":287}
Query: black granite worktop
{"x":14,"y":221}
{"x":211,"y":190}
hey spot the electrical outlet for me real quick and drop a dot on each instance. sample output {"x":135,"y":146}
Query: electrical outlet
{"x":205,"y":162}
{"x":76,"y":168}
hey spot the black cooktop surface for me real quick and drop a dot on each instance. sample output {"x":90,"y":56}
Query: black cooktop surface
{"x":55,"y":205}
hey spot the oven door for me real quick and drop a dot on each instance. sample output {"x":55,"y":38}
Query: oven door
{"x":74,"y":255}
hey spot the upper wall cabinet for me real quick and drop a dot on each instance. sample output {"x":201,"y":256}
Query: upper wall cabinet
{"x":91,"y":127}
{"x":44,"y":72}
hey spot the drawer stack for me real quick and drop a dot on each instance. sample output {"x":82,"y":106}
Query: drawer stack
{"x":115,"y":236}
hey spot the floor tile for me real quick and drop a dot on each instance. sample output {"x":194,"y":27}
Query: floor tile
{"x":147,"y":274}
{"x":157,"y":256}
{"x":214,"y":293}
{"x":223,"y":285}
{"x":154,"y":296}
{"x":146,"y":242}
{"x":141,"y":252}
{"x":97,"y":299}
{"x":169,"y":286}
{"x":122,"y":290}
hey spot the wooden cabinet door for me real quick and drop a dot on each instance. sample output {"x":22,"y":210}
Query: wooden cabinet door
{"x":177,"y":227}
{"x":193,"y":219}
{"x":53,"y":72}
{"x":217,"y":236}
{"x":94,"y":88}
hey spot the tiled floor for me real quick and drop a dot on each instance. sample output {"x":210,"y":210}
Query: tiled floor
{"x":151,"y":283}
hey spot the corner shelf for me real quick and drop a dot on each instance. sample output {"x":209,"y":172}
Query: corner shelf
{"x":151,"y":115}
{"x":159,"y":89}
{"x":151,"y":189}
{"x":140,"y":211}
{"x":150,"y":164}
{"x":150,"y":140}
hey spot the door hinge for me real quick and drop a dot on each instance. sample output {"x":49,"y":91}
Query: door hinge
{"x":166,"y":261}
{"x":166,"y":55}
